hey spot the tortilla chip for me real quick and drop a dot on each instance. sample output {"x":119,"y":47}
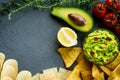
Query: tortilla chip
{"x":100,"y":77}
{"x":115,"y":63}
{"x":105,"y":70}
{"x":69,"y":55}
{"x":115,"y":75}
{"x":75,"y":75}
{"x":86,"y":75}
{"x":81,"y":70}
{"x":84,"y":63}
{"x":97,"y":73}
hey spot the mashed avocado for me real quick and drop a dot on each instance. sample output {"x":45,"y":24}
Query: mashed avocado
{"x":100,"y":47}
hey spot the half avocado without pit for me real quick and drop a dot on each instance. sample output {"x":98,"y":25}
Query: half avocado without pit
{"x":77,"y":18}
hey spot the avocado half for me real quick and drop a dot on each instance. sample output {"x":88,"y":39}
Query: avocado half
{"x":63,"y":12}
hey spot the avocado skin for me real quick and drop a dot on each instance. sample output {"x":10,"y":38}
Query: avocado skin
{"x":62,"y":13}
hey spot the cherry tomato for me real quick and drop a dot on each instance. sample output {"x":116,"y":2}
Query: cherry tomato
{"x":110,"y":19}
{"x":99,"y":10}
{"x":112,"y":3}
{"x":118,"y":10}
{"x":117,"y":30}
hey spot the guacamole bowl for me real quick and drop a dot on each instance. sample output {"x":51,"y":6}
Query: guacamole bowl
{"x":101,"y":47}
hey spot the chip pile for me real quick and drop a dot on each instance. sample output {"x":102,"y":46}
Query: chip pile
{"x":84,"y":70}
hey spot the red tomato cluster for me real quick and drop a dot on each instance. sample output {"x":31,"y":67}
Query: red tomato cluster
{"x":109,"y":12}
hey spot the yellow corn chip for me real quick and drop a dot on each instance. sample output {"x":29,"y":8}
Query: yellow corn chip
{"x":105,"y":70}
{"x":84,"y":63}
{"x":115,"y":74}
{"x":97,"y":73}
{"x":75,"y":74}
{"x":115,"y":63}
{"x":69,"y":55}
{"x":86,"y":75}
{"x":100,"y":77}
{"x":82,"y":71}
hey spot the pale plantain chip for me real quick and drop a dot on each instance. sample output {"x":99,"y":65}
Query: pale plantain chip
{"x":115,"y":63}
{"x":36,"y":77}
{"x":105,"y":70}
{"x":7,"y":78}
{"x":97,"y":73}
{"x":24,"y":75}
{"x":49,"y":74}
{"x":63,"y":73}
{"x":69,"y":55}
{"x":10,"y":69}
{"x":2,"y":59}
{"x":50,"y":70}
{"x":115,"y":75}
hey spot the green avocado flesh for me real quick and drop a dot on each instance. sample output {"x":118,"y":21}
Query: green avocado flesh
{"x":101,"y":47}
{"x":63,"y":12}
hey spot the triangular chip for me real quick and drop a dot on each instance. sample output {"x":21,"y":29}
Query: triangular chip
{"x":69,"y":55}
{"x":105,"y":70}
{"x":82,"y":71}
{"x":115,"y":74}
{"x":75,"y":74}
{"x":114,"y":63}
{"x":86,"y":75}
{"x":97,"y":73}
{"x":84,"y":63}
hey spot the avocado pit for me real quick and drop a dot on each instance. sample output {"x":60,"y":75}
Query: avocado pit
{"x":77,"y":19}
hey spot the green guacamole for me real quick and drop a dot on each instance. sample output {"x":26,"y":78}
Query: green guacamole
{"x":100,"y":47}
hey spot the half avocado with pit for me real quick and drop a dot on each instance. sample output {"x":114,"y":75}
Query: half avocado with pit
{"x":77,"y":18}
